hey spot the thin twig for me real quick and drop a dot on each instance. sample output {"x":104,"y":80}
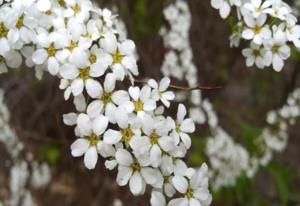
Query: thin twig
{"x":36,"y":137}
{"x":182,"y":87}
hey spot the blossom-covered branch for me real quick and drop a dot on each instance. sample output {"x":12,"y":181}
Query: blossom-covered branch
{"x":82,"y":45}
{"x":268,"y":26}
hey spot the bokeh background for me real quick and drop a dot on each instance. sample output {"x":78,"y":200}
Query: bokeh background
{"x":247,"y":94}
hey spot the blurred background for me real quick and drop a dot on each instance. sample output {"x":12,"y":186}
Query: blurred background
{"x":247,"y":94}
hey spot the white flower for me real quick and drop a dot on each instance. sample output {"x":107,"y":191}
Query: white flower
{"x":11,"y":59}
{"x":256,"y":54}
{"x":136,"y":172}
{"x":257,"y":7}
{"x":223,"y":6}
{"x":159,"y":91}
{"x":21,"y":25}
{"x":157,"y":199}
{"x":278,"y":50}
{"x":256,"y":29}
{"x":70,"y":119}
{"x":293,"y":34}
{"x":279,"y":9}
{"x":106,"y":15}
{"x":4,"y":44}
{"x":194,"y":189}
{"x":91,"y":144}
{"x":108,"y":99}
{"x":156,"y":140}
{"x":80,"y":79}
{"x":142,"y":100}
{"x":183,"y":126}
{"x":121,"y":55}
{"x":48,"y":52}
{"x":79,"y":9}
{"x":128,"y":129}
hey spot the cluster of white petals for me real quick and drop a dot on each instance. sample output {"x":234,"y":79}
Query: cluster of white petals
{"x":229,"y":160}
{"x":80,"y":43}
{"x":24,"y":170}
{"x":178,"y":61}
{"x":268,"y":26}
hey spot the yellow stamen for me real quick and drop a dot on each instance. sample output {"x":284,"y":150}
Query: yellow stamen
{"x":20,"y":22}
{"x":127,"y":134}
{"x":177,"y":128}
{"x":256,"y":29}
{"x":93,"y":139}
{"x":154,"y":138}
{"x":256,"y":52}
{"x":73,"y":45}
{"x":138,"y":106}
{"x":2,"y":59}
{"x":93,"y":58}
{"x":136,"y":166}
{"x":275,"y":49}
{"x":190,"y":193}
{"x":76,"y":9}
{"x":3,"y":30}
{"x":106,"y":97}
{"x":62,"y":3}
{"x":84,"y":73}
{"x":117,"y":57}
{"x":49,"y":12}
{"x":51,"y":50}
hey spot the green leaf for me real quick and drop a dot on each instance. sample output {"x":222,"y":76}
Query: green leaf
{"x":295,"y":54}
{"x":283,"y":179}
{"x":50,"y":154}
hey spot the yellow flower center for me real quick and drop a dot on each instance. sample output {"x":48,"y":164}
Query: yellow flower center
{"x":256,"y":29}
{"x":51,"y":50}
{"x":177,"y":128}
{"x":76,"y":9}
{"x":3,"y":30}
{"x":136,"y":166}
{"x":127,"y":134}
{"x":256,"y":52}
{"x":93,"y":58}
{"x":62,"y":3}
{"x":2,"y":59}
{"x":73,"y":45}
{"x":154,"y":138}
{"x":49,"y":12}
{"x":87,"y":35}
{"x":190,"y":193}
{"x":106,"y":97}
{"x":117,"y":57}
{"x":138,"y":106}
{"x":93,"y":139}
{"x":84,"y":73}
{"x":258,"y":9}
{"x":20,"y":22}
{"x":275,"y":49}
{"x":166,"y":179}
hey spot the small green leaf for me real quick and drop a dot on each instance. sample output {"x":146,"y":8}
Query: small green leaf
{"x":49,"y":153}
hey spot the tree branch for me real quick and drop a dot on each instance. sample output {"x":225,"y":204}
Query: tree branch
{"x":182,"y":87}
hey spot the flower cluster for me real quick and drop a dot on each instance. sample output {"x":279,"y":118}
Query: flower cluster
{"x":228,"y":160}
{"x":267,"y":25}
{"x":178,"y":61}
{"x":20,"y":175}
{"x":81,"y":44}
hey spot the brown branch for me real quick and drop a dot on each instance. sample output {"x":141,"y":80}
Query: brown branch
{"x":182,"y":87}
{"x":36,"y":137}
